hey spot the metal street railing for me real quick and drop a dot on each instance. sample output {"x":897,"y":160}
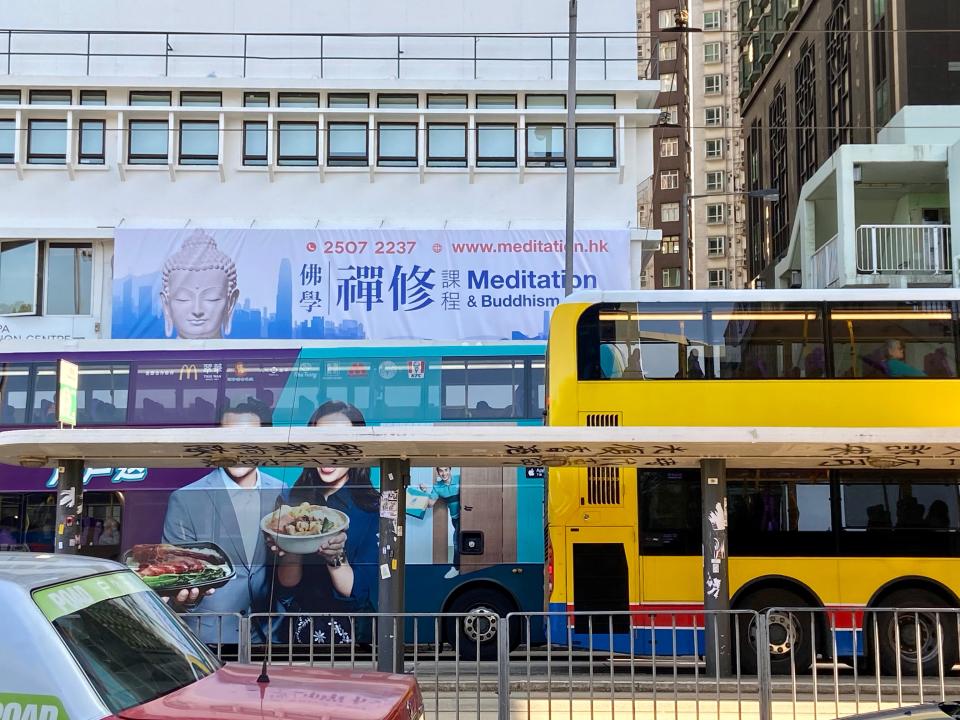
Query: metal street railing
{"x":904,"y":249}
{"x":316,"y":55}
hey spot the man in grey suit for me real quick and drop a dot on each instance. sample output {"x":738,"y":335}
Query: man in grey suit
{"x":225,"y":507}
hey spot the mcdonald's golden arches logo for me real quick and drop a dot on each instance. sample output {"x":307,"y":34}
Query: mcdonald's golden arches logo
{"x":188,"y":370}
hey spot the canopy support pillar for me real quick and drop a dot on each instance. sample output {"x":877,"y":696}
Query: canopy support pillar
{"x":716,"y":581}
{"x":394,"y":477}
{"x":69,"y":506}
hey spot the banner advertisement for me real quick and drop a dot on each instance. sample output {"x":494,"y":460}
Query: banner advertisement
{"x":353,"y":284}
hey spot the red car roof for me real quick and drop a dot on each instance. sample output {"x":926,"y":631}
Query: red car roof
{"x":293,"y":693}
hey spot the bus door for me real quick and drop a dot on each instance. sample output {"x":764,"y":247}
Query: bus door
{"x":602,"y":576}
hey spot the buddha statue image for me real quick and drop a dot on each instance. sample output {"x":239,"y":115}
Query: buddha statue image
{"x":199,"y":290}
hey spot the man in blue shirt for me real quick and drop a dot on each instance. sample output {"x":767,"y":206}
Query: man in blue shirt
{"x":446,"y":487}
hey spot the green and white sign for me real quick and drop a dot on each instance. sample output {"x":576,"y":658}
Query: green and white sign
{"x":18,"y":706}
{"x":68,"y":376}
{"x":60,"y":600}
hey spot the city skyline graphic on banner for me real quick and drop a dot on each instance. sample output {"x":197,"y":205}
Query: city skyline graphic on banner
{"x":351,"y":284}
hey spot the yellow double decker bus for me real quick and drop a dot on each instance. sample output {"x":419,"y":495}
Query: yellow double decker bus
{"x":854,"y":533}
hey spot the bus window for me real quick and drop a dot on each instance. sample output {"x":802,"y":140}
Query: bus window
{"x":669,"y":512}
{"x":100,"y":524}
{"x":641,"y":342}
{"x":258,"y":384}
{"x":44,"y":409}
{"x":41,"y":516}
{"x":779,"y":513}
{"x":11,"y":533}
{"x":102,"y":393}
{"x":538,"y":382}
{"x":495,"y":388}
{"x":177,"y":393}
{"x":771,"y":340}
{"x":14,"y":383}
{"x":906,"y":339}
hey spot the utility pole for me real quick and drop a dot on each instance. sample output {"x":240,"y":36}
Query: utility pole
{"x":570,"y":145}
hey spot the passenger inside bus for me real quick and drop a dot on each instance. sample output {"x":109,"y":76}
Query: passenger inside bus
{"x":937,"y":364}
{"x":938,"y":516}
{"x":895,"y":360}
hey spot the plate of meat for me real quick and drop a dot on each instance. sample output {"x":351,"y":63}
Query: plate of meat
{"x":168,"y":568}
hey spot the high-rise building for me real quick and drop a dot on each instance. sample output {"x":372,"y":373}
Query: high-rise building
{"x":818,"y":74}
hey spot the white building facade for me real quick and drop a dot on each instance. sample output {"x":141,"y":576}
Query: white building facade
{"x":368,"y":116}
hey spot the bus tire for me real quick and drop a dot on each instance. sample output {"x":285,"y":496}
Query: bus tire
{"x":485,"y":613}
{"x":930,"y":654}
{"x":791,"y":646}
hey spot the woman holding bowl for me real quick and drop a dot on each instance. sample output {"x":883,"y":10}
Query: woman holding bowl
{"x":341,"y":577}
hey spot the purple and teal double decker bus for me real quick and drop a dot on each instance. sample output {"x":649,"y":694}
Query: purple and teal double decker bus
{"x":474,"y":536}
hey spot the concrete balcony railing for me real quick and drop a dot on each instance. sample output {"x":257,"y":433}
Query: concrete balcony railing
{"x":826,"y":264}
{"x":903,"y":249}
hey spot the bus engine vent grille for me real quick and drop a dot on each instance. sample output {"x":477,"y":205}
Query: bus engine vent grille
{"x":603,"y":486}
{"x":603,"y":419}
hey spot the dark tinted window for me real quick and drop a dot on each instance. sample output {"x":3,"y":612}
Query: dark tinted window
{"x":43,"y":407}
{"x":669,"y":512}
{"x":779,"y":513}
{"x":102,"y":393}
{"x":480,"y":389}
{"x":14,"y":387}
{"x":893,"y":340}
{"x":179,"y":393}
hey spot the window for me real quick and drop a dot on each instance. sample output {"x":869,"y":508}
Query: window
{"x":712,"y":52}
{"x":715,"y":180}
{"x":256,"y":99}
{"x":893,"y":340}
{"x":348,"y":100}
{"x":902,"y":513}
{"x":669,"y":212}
{"x":673,"y":113}
{"x":668,"y":82}
{"x":712,"y":20}
{"x":496,"y":145}
{"x":595,"y":145}
{"x":496,"y":102}
{"x":716,"y":245}
{"x":670,"y":278}
{"x":9,"y":97}
{"x":545,"y":146}
{"x":148,"y":142}
{"x":297,"y":143}
{"x":93,"y":97}
{"x":716,"y":278}
{"x":716,"y":213}
{"x":18,"y":277}
{"x":8,"y":140}
{"x":69,"y":274}
{"x":167,"y":395}
{"x":255,"y":143}
{"x":546,"y":102}
{"x":838,"y":75}
{"x":47,"y":142}
{"x":397,"y":101}
{"x":806,"y":100}
{"x":454,"y":102}
{"x":483,"y":389}
{"x":712,"y":84}
{"x":714,"y":148}
{"x":199,"y":142}
{"x":397,"y":144}
{"x":597,"y":102}
{"x":150,"y":98}
{"x":670,"y":245}
{"x":666,"y":19}
{"x":779,"y":513}
{"x":90,"y":149}
{"x":51,"y":97}
{"x":669,"y":147}
{"x":779,"y":220}
{"x":201,"y":99}
{"x":299,"y":100}
{"x":44,"y":410}
{"x":669,"y":179}
{"x":669,"y":508}
{"x":667,"y":51}
{"x":713,"y":116}
{"x":347,"y":144}
{"x":447,"y":145}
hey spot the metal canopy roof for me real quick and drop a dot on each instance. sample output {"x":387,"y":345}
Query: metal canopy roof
{"x":744,"y":447}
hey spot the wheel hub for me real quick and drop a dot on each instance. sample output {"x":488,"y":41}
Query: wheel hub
{"x":481,"y":625}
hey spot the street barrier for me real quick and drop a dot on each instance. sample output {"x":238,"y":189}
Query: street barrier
{"x":795,"y":663}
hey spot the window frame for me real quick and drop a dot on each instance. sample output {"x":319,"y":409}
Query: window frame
{"x":670,"y":57}
{"x":399,"y":96}
{"x":295,"y":160}
{"x":667,"y":274}
{"x":542,"y":96}
{"x":674,"y":142}
{"x":252,"y":94}
{"x":711,"y":252}
{"x":347,"y":97}
{"x":351,"y":160}
{"x":492,"y":161}
{"x":709,"y":80}
{"x":716,"y":142}
{"x":675,"y":179}
{"x":146,"y":94}
{"x":46,"y":158}
{"x":84,"y":158}
{"x":715,"y":187}
{"x":719,"y":118}
{"x":147,"y":158}
{"x":84,"y":94}
{"x":551,"y":160}
{"x":721,"y":274}
{"x":606,"y":161}
{"x":710,"y":26}
{"x":65,"y":95}
{"x":198,"y":160}
{"x":713,"y":45}
{"x":8,"y":94}
{"x":671,"y":206}
{"x":398,"y":161}
{"x":311,"y":100}
{"x":36,"y":310}
{"x":254,"y":160}
{"x":719,"y":213}
{"x":481,"y":98}
{"x":444,"y":161}
{"x":9,"y":158}
{"x":453,"y":98}
{"x":47,"y":284}
{"x":215,"y":95}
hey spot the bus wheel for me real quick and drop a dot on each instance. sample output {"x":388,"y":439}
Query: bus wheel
{"x":917,"y":633}
{"x":790,"y":646}
{"x":484,"y":614}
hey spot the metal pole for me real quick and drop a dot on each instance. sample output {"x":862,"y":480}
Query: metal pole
{"x":685,"y":241}
{"x":394,"y":475}
{"x":716,"y":584}
{"x":570,"y":146}
{"x":69,"y":506}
